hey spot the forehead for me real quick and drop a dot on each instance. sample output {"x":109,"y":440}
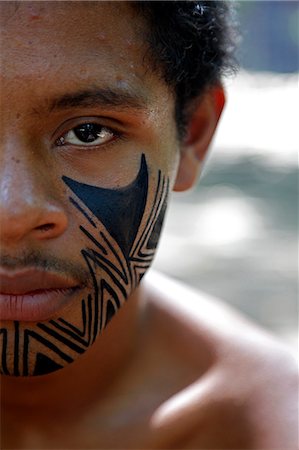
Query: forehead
{"x":67,"y":41}
{"x":79,"y":26}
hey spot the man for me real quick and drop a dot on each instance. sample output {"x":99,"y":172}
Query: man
{"x":106,"y":107}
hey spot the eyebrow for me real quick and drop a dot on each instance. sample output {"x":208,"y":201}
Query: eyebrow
{"x":106,"y":97}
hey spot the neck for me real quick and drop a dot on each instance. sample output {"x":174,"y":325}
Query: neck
{"x":85,"y":380}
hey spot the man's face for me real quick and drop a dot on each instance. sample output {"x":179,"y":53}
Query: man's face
{"x":88,"y":156}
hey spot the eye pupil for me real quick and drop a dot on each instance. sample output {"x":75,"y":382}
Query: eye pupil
{"x":88,"y":132}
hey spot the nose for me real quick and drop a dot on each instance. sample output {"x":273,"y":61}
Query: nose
{"x":28,"y":209}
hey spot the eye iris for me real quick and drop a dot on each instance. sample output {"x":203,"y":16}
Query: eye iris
{"x":88,"y":132}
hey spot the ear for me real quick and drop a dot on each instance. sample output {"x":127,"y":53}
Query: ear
{"x":200,"y":130}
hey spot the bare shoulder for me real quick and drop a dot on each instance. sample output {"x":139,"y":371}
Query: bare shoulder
{"x":245,"y":393}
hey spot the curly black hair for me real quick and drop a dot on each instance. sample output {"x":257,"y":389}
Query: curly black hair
{"x":191,"y":44}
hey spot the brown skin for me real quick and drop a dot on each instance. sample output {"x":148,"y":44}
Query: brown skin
{"x":220,"y":381}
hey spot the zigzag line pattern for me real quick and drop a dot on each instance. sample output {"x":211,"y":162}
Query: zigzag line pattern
{"x":144,"y":247}
{"x":50,"y":345}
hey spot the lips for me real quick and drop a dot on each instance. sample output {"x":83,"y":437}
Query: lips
{"x":34,"y":295}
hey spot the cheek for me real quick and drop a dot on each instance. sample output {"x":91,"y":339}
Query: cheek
{"x":123,"y":222}
{"x":120,"y":230}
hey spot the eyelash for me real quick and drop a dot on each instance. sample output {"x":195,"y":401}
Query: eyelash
{"x":91,"y":127}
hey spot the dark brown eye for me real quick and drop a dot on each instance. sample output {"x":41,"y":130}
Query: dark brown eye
{"x":86,"y":134}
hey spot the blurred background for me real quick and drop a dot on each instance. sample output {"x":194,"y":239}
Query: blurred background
{"x":235,"y":235}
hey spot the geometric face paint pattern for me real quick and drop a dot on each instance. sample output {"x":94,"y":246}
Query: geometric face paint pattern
{"x":120,"y":210}
{"x":121,"y":238}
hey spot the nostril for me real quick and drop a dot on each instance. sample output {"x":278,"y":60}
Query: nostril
{"x":45,"y":227}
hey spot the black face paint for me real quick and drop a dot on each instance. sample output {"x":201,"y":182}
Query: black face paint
{"x":121,"y":228}
{"x":120,"y":210}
